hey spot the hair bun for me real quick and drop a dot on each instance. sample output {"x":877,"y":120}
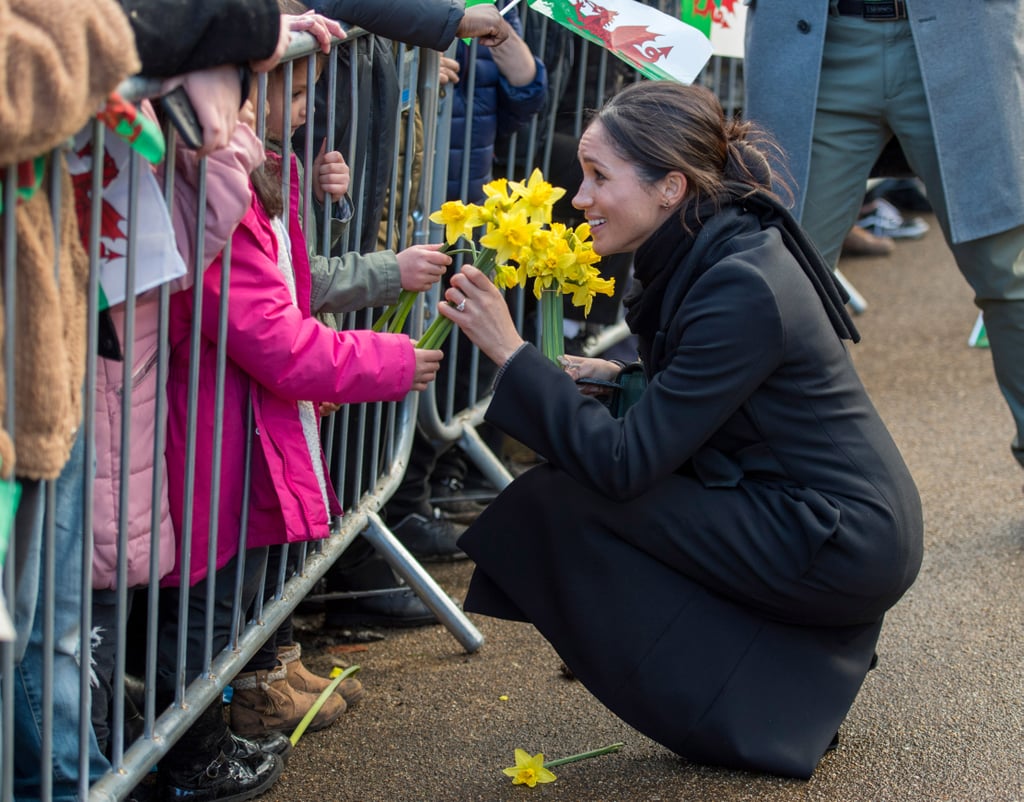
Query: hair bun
{"x":745,"y":162}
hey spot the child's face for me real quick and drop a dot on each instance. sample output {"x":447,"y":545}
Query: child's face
{"x":275,"y":101}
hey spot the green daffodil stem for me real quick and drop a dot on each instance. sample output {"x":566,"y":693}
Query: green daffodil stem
{"x":324,"y":695}
{"x":440,"y":327}
{"x":604,"y":750}
{"x":552,"y":336}
{"x":392,"y":320}
{"x":394,"y":316}
{"x":435,"y":335}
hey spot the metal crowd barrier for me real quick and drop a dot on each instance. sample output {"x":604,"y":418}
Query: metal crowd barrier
{"x":367,"y":445}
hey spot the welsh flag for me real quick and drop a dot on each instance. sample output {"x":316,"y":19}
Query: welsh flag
{"x":721,"y":21}
{"x":657,"y":45}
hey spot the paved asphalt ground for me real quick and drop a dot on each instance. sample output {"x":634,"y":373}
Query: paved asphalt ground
{"x":940,"y":719}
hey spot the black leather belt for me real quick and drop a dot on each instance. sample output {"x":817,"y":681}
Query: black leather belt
{"x":873,"y":10}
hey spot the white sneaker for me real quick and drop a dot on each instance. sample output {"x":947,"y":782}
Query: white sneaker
{"x":885,"y":220}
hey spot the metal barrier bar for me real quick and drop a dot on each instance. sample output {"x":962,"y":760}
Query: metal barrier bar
{"x":9,"y":584}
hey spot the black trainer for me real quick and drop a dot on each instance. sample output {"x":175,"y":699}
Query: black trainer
{"x":400,"y":608}
{"x":430,"y":538}
{"x":388,"y":603}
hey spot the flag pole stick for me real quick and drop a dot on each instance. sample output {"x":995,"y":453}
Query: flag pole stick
{"x":509,"y":7}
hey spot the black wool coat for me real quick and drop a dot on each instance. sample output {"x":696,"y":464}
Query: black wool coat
{"x":715,"y":566}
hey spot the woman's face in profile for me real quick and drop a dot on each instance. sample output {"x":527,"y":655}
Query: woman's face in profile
{"x":622,"y":210}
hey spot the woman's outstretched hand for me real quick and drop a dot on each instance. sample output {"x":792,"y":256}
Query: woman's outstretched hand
{"x":477,"y":307}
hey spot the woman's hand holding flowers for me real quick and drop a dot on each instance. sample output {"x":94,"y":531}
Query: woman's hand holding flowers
{"x":477,"y":307}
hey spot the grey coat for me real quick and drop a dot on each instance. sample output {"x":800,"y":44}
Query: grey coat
{"x":972,"y":63}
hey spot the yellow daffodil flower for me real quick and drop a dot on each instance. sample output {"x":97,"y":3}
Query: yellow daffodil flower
{"x":506,"y":277}
{"x":583,"y":292}
{"x":537,"y":195}
{"x":528,"y":770}
{"x":509,"y":234}
{"x":552,"y":267}
{"x":459,"y":219}
{"x":498,"y":200}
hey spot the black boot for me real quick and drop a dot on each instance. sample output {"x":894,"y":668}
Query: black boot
{"x":249,"y":749}
{"x":207,"y":765}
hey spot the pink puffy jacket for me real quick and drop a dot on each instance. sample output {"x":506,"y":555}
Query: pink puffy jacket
{"x":227,"y":200}
{"x":277,"y":355}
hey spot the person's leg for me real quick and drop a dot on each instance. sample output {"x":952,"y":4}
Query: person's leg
{"x":208,"y":762}
{"x":104,"y":656}
{"x":993,"y":266}
{"x":224,"y":618}
{"x":66,"y":658}
{"x":263,"y":700}
{"x":848,"y":130}
{"x":27,"y":545}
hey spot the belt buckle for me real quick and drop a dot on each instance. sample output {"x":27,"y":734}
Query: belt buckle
{"x":884,"y":10}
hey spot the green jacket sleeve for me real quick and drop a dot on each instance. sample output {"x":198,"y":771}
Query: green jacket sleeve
{"x":353,"y":281}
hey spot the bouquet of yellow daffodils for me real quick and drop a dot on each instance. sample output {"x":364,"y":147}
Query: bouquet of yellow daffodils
{"x":519,"y":243}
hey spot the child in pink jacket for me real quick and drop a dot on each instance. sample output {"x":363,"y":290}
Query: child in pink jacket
{"x":280,"y":363}
{"x":275,"y":690}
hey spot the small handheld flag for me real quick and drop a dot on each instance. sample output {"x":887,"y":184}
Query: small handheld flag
{"x":125,"y":120}
{"x":657,"y":45}
{"x":721,"y":21}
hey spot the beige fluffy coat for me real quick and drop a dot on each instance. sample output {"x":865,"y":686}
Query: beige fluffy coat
{"x":60,"y":60}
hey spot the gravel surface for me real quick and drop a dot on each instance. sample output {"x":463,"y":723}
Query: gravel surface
{"x":941,"y":718}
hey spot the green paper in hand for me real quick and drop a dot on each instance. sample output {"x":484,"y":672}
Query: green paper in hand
{"x":10,"y":495}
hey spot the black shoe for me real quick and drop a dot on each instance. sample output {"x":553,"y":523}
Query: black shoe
{"x":251,"y":749}
{"x":456,"y":502}
{"x":430,"y":539}
{"x":402,"y":608}
{"x":224,"y":779}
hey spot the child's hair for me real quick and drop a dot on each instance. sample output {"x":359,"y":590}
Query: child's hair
{"x":266,"y":181}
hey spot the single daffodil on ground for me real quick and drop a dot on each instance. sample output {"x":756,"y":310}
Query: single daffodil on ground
{"x":528,"y":770}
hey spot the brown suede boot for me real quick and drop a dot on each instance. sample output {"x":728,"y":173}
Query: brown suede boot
{"x":303,"y":679}
{"x":263,"y":701}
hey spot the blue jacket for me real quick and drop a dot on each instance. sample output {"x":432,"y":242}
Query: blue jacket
{"x":498,"y":108}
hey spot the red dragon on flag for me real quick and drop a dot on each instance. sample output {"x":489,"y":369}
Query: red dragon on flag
{"x":715,"y":9}
{"x":629,"y":39}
